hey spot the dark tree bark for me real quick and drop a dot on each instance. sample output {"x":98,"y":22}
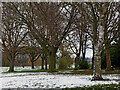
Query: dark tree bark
{"x":107,"y":47}
{"x":52,"y":60}
{"x":84,"y":46}
{"x":32,"y":66}
{"x":79,"y":52}
{"x":108,"y":59}
{"x":93,"y":55}
{"x":42,"y":63}
{"x":11,"y":69}
{"x":77,"y":61}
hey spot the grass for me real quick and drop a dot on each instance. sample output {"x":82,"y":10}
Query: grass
{"x":71,"y":70}
{"x":111,"y":72}
{"x":97,"y":87}
{"x":94,"y":87}
{"x":79,"y":72}
{"x":89,"y":72}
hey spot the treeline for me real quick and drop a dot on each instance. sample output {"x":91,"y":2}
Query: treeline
{"x":40,"y":29}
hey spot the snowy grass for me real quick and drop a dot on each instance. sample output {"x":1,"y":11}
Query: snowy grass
{"x":48,"y":80}
{"x":26,"y":68}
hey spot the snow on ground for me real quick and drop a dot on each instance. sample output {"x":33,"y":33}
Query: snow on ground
{"x":47,"y":80}
{"x":26,"y":68}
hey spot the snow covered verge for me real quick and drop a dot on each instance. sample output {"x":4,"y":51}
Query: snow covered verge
{"x":47,"y":80}
{"x":26,"y":68}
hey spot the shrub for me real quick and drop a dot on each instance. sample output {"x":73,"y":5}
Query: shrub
{"x":83,"y":64}
{"x":62,"y":63}
{"x":65,"y":62}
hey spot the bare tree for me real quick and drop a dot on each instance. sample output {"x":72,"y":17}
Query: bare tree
{"x":13,"y":34}
{"x":74,"y":42}
{"x":49,"y":23}
{"x":31,"y":48}
{"x":91,"y":13}
{"x":110,"y":24}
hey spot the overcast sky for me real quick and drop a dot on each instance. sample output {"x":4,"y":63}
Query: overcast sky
{"x":89,"y":53}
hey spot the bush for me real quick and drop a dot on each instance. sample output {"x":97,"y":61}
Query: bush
{"x":65,"y":62}
{"x":83,"y":64}
{"x":114,"y":53}
{"x":62,"y":63}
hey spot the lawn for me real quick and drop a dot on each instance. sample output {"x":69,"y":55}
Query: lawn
{"x":28,"y":78}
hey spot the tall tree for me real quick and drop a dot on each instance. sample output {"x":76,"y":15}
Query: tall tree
{"x":91,"y":13}
{"x":74,"y":42}
{"x":110,"y":26}
{"x":13,"y":34}
{"x":49,"y":23}
{"x":0,"y":32}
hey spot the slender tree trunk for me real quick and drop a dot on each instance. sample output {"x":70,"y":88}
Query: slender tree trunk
{"x":78,"y":54}
{"x":42,"y":63}
{"x":93,"y":56}
{"x":108,"y":59}
{"x":46,"y":64}
{"x":84,"y":56}
{"x":55,"y":64}
{"x":107,"y":46}
{"x":32,"y":65}
{"x":76,"y":62}
{"x":52,"y":59}
{"x":84,"y":47}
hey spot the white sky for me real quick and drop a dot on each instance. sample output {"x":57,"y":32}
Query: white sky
{"x":89,"y":53}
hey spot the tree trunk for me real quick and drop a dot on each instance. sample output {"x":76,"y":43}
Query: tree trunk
{"x":32,"y":65}
{"x":46,"y":64}
{"x":84,"y":56}
{"x":107,"y":46}
{"x":84,"y":47}
{"x":93,"y":56}
{"x":52,"y":59}
{"x":42,"y":63}
{"x":97,"y":74}
{"x":108,"y":59}
{"x":78,"y":54}
{"x":55,"y":64}
{"x":76,"y":62}
{"x":97,"y":64}
{"x":11,"y":69}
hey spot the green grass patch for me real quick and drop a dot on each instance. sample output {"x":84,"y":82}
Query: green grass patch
{"x":111,"y":72}
{"x":97,"y":87}
{"x":71,"y":70}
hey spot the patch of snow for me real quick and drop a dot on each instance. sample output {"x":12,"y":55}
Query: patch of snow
{"x":68,"y":71}
{"x":112,"y":76}
{"x":26,"y":68}
{"x":47,"y":80}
